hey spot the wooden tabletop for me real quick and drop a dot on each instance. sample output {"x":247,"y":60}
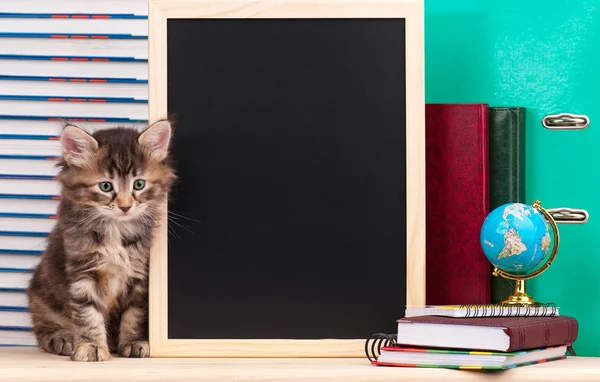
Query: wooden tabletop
{"x":28,"y":364}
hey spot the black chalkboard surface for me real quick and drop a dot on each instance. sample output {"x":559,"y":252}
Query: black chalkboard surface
{"x":290,"y":150}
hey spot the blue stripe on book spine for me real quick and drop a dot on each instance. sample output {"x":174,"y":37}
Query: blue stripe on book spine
{"x":12,"y":290}
{"x":24,"y":234}
{"x":78,"y":36}
{"x":28,"y":177}
{"x":16,"y":270}
{"x":72,"y":99}
{"x":72,"y":15}
{"x":30,"y":137}
{"x":73,"y":79}
{"x":28,"y":157}
{"x":70,"y":58}
{"x":13,"y":309}
{"x":18,"y":345}
{"x":16,"y":329}
{"x":36,"y":197}
{"x":69,"y":119}
{"x":26,"y":216}
{"x":19,"y":252}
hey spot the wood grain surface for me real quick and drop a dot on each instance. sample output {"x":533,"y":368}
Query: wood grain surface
{"x":29,"y":364}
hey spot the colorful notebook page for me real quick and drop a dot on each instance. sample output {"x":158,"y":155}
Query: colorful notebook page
{"x":458,"y":359}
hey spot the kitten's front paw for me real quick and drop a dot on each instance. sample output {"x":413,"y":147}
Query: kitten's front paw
{"x":90,"y":352}
{"x":61,"y":342}
{"x":135,"y":349}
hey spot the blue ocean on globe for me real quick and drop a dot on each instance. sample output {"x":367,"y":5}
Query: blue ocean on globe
{"x":515,"y":238}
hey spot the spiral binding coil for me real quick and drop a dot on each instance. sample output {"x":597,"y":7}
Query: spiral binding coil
{"x":376,"y":342}
{"x":522,"y":310}
{"x":380,"y":340}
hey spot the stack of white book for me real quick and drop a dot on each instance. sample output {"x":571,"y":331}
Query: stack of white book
{"x":60,"y":60}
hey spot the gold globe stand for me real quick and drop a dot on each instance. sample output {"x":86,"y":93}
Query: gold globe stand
{"x":520,"y":296}
{"x":553,"y":216}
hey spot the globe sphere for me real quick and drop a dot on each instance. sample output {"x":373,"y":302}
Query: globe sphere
{"x":515,"y":238}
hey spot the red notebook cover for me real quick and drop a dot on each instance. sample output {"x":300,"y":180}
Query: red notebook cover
{"x":457,"y":182}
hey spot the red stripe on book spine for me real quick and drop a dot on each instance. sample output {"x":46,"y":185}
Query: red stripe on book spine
{"x":80,"y":59}
{"x":52,"y":216}
{"x":99,"y":59}
{"x":60,"y":16}
{"x":100,"y":17}
{"x":56,"y":198}
{"x":77,"y":80}
{"x":54,"y":139}
{"x":100,"y":37}
{"x":80,"y":16}
{"x":83,"y":36}
{"x":97,"y":80}
{"x":59,"y":36}
{"x":56,"y":99}
{"x":58,"y":79}
{"x":97,"y":100}
{"x":76,"y":99}
{"x":59,"y":59}
{"x":96,"y":120}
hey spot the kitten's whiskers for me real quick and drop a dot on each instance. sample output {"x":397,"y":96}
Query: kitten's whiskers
{"x":175,"y":214}
{"x":170,"y":219}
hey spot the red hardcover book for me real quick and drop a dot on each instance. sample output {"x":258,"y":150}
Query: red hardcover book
{"x":457,"y":181}
{"x":504,"y":334}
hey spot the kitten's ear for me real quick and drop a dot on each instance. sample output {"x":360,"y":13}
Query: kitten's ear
{"x":155,"y":139}
{"x":77,"y":145}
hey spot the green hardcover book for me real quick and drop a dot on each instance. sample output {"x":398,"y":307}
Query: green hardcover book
{"x":507,"y":172}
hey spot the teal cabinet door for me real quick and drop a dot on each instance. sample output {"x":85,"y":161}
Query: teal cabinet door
{"x":544,"y":55}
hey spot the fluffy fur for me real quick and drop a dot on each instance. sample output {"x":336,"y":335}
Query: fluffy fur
{"x":88,"y":295}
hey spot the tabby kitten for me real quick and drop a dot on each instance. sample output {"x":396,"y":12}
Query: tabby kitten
{"x":88,"y":296}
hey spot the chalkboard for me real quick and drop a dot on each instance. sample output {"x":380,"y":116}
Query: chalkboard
{"x":289,"y":218}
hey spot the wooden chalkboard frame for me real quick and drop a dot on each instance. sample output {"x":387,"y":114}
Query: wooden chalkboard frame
{"x":412,"y":11}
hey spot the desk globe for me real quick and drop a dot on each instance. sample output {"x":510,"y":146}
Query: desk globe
{"x":516,"y":239}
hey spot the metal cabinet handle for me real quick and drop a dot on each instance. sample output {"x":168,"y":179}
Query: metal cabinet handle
{"x":568,"y":215}
{"x":566,"y":121}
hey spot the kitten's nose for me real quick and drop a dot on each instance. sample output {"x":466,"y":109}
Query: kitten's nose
{"x":125,"y":209}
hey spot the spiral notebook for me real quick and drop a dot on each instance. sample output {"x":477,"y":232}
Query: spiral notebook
{"x":484,"y":310}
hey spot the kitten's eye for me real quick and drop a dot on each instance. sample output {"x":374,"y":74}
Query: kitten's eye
{"x":139,"y":184}
{"x":105,"y":186}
